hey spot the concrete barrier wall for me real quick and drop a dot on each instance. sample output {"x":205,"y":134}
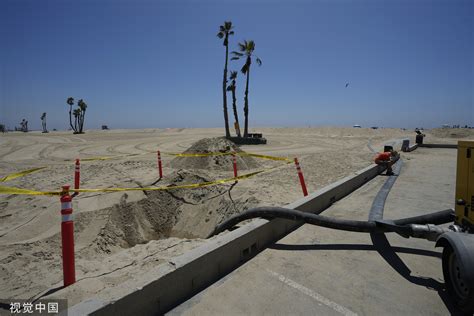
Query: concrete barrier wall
{"x":202,"y":266}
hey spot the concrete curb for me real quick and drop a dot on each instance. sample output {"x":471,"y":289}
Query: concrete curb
{"x":195,"y":270}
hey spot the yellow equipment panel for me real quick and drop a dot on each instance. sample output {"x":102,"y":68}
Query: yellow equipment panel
{"x":465,"y":185}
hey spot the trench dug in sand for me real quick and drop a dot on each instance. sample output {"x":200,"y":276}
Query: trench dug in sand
{"x":184,"y":213}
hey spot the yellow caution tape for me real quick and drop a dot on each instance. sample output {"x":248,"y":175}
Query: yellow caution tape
{"x":20,"y":174}
{"x":199,"y":154}
{"x":109,"y":157}
{"x":18,"y":191}
{"x":96,"y":158}
{"x":173,"y":187}
{"x":229,"y":153}
{"x":193,"y":155}
{"x":265,"y":156}
{"x":10,"y":190}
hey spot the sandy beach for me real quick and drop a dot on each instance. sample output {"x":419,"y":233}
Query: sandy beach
{"x":119,"y":235}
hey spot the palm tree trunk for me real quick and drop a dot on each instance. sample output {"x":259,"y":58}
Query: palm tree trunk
{"x":224,"y":92}
{"x":236,"y":115}
{"x":80,"y":122}
{"x":70,"y":118}
{"x":75,"y":124}
{"x":83,"y":113}
{"x":246,"y":107}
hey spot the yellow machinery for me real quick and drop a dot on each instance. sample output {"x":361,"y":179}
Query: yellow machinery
{"x":465,"y":186}
{"x":458,"y":243}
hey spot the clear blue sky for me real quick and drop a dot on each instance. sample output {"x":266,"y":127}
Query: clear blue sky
{"x":159,"y":64}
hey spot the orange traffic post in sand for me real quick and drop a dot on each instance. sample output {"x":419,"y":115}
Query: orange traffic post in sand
{"x":67,"y":237}
{"x":77,"y":176}
{"x":300,"y":175}
{"x":234,"y":161}
{"x":160,"y":167}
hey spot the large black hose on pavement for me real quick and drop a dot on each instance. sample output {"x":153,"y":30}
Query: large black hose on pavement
{"x":435,"y":218}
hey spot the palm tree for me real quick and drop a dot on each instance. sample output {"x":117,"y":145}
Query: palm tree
{"x":246,"y":49}
{"x":76,"y":113}
{"x":82,"y":106}
{"x":231,"y":87}
{"x":70,"y":101}
{"x":224,"y":32}
{"x":43,"y":122}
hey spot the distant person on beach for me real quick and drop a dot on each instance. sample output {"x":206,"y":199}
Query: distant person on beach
{"x":387,"y":159}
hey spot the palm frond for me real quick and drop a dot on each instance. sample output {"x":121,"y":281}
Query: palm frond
{"x":236,"y":55}
{"x":251,"y":45}
{"x":70,"y":101}
{"x":242,"y":47}
{"x":259,"y":61}
{"x":228,"y":25}
{"x":222,"y":28}
{"x":231,"y":33}
{"x":220,"y":35}
{"x":82,"y":105}
{"x":233,"y":75}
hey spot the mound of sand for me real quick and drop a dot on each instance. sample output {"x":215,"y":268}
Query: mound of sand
{"x":180,"y":213}
{"x":219,"y":163}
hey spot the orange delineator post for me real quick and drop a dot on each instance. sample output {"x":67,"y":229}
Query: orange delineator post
{"x":234,"y":161}
{"x":67,"y":237}
{"x":160,"y":167}
{"x":300,"y":175}
{"x":77,"y":176}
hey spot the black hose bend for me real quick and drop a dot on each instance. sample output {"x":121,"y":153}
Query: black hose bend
{"x":269,"y":213}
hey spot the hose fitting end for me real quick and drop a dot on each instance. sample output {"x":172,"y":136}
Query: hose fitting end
{"x":428,"y":231}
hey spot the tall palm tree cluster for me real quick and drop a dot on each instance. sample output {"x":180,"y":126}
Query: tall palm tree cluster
{"x":79,"y":114}
{"x":245,"y":52}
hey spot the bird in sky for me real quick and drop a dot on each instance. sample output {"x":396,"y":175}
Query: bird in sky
{"x":347,"y":84}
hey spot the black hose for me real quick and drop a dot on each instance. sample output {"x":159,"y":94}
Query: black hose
{"x":376,"y":210}
{"x":440,"y":217}
{"x":436,"y":218}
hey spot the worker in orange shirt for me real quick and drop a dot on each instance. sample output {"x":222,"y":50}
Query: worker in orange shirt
{"x":387,"y":158}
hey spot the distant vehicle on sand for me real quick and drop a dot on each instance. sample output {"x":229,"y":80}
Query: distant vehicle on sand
{"x":356,"y":126}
